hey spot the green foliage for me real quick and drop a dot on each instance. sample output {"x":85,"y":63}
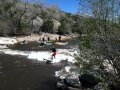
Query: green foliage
{"x":99,"y":44}
{"x":47,"y":26}
{"x":61,"y":30}
{"x":76,"y":28}
{"x":62,"y":27}
{"x":65,"y":27}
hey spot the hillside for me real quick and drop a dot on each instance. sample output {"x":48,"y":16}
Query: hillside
{"x":20,"y":18}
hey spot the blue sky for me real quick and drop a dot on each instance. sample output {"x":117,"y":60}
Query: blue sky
{"x":70,"y":6}
{"x":65,"y":5}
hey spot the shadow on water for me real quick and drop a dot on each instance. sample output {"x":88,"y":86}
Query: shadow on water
{"x":19,"y":73}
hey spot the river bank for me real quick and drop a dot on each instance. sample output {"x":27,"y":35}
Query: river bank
{"x":53,"y":37}
{"x":35,"y":37}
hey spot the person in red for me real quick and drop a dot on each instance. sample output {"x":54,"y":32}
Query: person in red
{"x":53,"y":52}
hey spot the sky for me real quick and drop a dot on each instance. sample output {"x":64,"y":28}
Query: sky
{"x":69,"y":6}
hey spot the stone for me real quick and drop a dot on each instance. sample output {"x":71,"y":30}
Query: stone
{"x":72,"y":81}
{"x":56,"y":24}
{"x":71,"y":88}
{"x":115,"y":86}
{"x":37,"y":23}
{"x":61,"y":85}
{"x":88,"y":80}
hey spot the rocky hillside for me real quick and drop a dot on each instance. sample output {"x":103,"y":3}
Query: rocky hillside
{"x":23,"y":18}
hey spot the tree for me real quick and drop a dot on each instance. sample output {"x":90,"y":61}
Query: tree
{"x":99,"y":48}
{"x":18,"y":16}
{"x":65,"y":27}
{"x":47,"y":26}
{"x":76,"y":27}
{"x":6,"y":18}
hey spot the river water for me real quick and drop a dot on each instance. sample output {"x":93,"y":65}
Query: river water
{"x":35,"y":46}
{"x":20,"y":73}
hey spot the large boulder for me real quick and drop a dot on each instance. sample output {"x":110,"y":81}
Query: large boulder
{"x":72,"y":88}
{"x":37,"y":23}
{"x":61,"y":85}
{"x":115,"y":86}
{"x":88,"y":81}
{"x":68,"y":78}
{"x":56,"y":24}
{"x":72,"y":81}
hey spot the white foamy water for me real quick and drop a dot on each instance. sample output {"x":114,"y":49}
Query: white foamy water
{"x":3,"y":46}
{"x":6,"y":41}
{"x":62,"y":54}
{"x":67,"y":70}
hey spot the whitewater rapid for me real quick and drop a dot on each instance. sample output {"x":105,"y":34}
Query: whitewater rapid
{"x":62,"y":54}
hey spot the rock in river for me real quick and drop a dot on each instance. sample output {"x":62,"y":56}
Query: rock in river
{"x":72,"y":81}
{"x":88,"y":80}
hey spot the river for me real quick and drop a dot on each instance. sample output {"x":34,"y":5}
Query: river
{"x":20,"y":73}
